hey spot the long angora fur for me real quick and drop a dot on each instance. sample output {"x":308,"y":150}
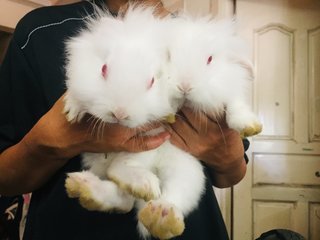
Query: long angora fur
{"x":117,"y":71}
{"x":136,"y":69}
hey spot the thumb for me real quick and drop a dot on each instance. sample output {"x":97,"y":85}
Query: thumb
{"x":145,"y":143}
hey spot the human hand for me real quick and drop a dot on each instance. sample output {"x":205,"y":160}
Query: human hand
{"x":66,"y":139}
{"x":211,"y":141}
{"x":53,"y":140}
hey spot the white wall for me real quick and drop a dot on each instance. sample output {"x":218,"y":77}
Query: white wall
{"x":11,"y":11}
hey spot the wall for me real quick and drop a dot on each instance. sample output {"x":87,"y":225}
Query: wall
{"x":11,"y":12}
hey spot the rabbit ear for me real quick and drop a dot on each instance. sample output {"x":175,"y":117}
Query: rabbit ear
{"x":246,"y":64}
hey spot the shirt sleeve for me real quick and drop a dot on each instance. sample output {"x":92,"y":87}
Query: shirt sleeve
{"x":17,"y":90}
{"x":246,"y":145}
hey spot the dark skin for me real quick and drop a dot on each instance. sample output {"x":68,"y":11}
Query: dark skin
{"x":212,"y":141}
{"x":53,"y":140}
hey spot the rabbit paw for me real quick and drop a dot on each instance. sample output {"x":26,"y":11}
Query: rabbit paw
{"x":162,"y":219}
{"x":251,"y":130}
{"x":245,"y":122}
{"x":72,"y":110}
{"x":95,"y":194}
{"x":78,"y":186}
{"x":139,"y":183}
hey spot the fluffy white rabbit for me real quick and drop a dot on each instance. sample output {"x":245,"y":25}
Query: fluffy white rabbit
{"x":117,"y":72}
{"x":212,"y":70}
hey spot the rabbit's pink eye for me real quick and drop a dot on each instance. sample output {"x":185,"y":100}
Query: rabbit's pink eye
{"x":150,"y":83}
{"x":209,"y":60}
{"x":104,"y":70}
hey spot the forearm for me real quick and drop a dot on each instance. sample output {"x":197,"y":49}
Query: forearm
{"x":43,"y":150}
{"x":47,"y":147}
{"x":53,"y":140}
{"x":24,"y":168}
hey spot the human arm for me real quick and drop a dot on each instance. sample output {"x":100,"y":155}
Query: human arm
{"x":210,"y":140}
{"x":28,"y":164}
{"x":32,"y":149}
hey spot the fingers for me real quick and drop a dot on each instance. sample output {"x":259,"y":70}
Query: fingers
{"x":147,"y":127}
{"x":178,"y":140}
{"x":194,"y":131}
{"x":145,"y":143}
{"x":93,"y":135}
{"x":196,"y":121}
{"x":184,"y":130}
{"x":205,"y":122}
{"x":188,"y":123}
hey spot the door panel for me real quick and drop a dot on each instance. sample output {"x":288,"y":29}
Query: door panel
{"x":273,"y":49}
{"x":282,"y":169}
{"x":314,"y":84}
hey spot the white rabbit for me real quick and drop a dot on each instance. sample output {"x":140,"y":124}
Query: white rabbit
{"x":116,"y":71}
{"x":211,"y":68}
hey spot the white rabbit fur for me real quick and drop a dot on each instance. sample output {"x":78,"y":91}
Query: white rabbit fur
{"x":212,"y":70}
{"x":167,"y":179}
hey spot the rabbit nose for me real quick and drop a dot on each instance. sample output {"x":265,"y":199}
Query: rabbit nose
{"x":119,"y":114}
{"x":185,"y":87}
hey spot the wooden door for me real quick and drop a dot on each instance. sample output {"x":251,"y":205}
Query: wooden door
{"x":282,"y":185}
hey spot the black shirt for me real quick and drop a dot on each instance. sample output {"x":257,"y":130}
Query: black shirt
{"x":31,"y":80}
